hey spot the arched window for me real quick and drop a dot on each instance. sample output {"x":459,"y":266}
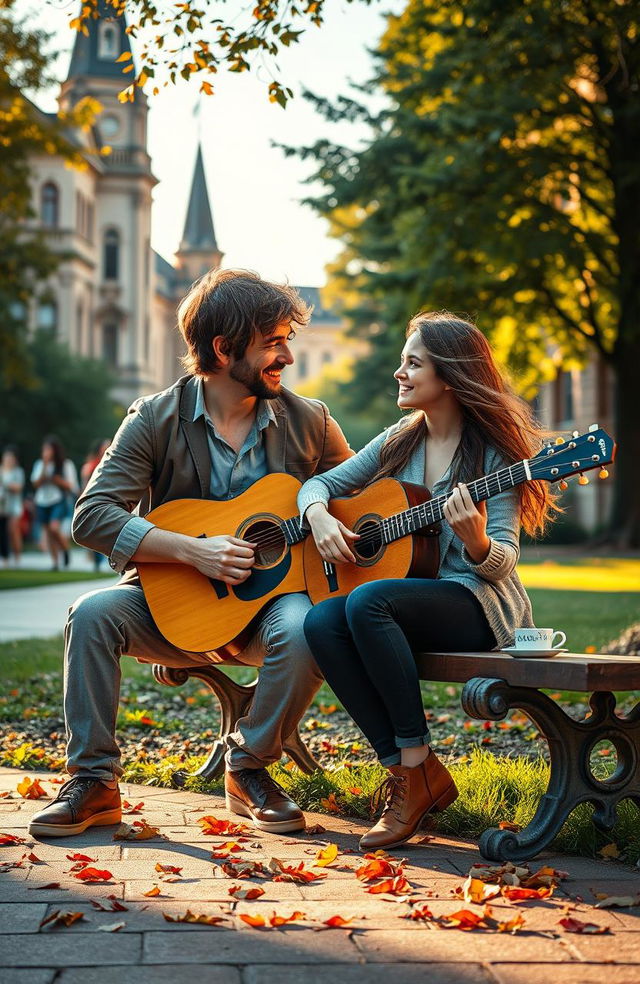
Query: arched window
{"x":47,"y":318}
{"x":111,"y":254}
{"x":107,"y":41}
{"x":110,"y":344}
{"x":49,"y":205}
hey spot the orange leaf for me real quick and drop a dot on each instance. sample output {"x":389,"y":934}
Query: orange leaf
{"x":244,"y":869}
{"x":298,"y":874}
{"x":509,"y":825}
{"x":423,"y":913}
{"x":335,"y":922}
{"x":330,"y":804}
{"x":168,"y":869}
{"x":60,"y":918}
{"x":130,"y":808}
{"x":31,"y":789}
{"x":463,"y":919}
{"x":326,"y":856}
{"x":377,"y":868}
{"x":512,"y":925}
{"x":475,"y":890}
{"x":251,"y":920}
{"x":191,"y":917}
{"x":80,"y":857}
{"x":9,"y":840}
{"x":152,"y":893}
{"x":515,"y":894}
{"x":138,"y":830}
{"x":392,"y":886}
{"x":115,"y":906}
{"x":246,"y":893}
{"x":93,"y":875}
{"x":571,"y":925}
{"x":609,"y":851}
{"x":275,"y":920}
{"x":214,"y":827}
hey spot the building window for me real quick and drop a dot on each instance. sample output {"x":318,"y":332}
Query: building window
{"x":111,"y":254}
{"x":47,"y":318}
{"x":327,"y":357}
{"x":49,"y":205}
{"x":110,"y":344}
{"x":303,"y":365}
{"x":107,"y":41}
{"x":79,"y":326}
{"x":90,"y":221}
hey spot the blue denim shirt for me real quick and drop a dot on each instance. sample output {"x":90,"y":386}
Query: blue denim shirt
{"x":233,"y":472}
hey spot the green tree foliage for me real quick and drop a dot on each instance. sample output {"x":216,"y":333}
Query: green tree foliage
{"x":66,"y":396}
{"x":198,"y":37}
{"x":25,"y":132}
{"x":501,"y":180}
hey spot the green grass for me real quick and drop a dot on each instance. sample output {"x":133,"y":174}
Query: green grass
{"x":589,"y":619}
{"x":10,"y":579}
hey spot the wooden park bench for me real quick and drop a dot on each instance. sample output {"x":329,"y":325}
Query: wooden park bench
{"x":494,"y":684}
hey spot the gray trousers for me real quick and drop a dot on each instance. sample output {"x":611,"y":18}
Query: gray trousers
{"x":112,"y":622}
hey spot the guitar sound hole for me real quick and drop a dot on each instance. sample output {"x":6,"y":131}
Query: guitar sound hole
{"x":270,"y":539}
{"x":370,"y":544}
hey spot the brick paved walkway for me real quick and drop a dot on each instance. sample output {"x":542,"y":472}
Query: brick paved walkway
{"x":376,"y":946}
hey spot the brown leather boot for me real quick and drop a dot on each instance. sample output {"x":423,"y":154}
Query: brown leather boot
{"x":253,"y":793}
{"x":410,"y":795}
{"x":82,"y":802}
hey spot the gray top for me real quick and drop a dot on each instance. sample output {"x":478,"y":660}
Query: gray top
{"x":494,"y":582}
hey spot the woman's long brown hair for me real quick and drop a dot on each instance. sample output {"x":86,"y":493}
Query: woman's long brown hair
{"x":494,"y":415}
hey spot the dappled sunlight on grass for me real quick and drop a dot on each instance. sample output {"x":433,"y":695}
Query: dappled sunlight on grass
{"x":589,"y":574}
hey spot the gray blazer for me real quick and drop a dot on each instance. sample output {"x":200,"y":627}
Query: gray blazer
{"x":161,"y":453}
{"x":494,"y":582}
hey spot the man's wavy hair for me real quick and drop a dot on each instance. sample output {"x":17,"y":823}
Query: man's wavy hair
{"x":235,"y":304}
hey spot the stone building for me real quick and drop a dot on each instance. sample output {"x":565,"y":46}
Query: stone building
{"x":113,"y":297}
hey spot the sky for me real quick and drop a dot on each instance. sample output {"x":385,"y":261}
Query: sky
{"x":255,"y":192}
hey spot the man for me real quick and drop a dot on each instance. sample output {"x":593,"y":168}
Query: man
{"x":212,"y":434}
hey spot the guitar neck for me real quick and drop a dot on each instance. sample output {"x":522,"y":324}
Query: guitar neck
{"x":427,"y":513}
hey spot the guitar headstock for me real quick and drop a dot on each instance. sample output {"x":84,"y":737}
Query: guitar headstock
{"x":578,"y":454}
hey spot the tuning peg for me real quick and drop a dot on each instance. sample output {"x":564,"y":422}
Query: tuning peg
{"x":563,"y":485}
{"x":603,"y":473}
{"x":592,"y":427}
{"x":575,"y":434}
{"x":583,"y":480}
{"x":559,"y":440}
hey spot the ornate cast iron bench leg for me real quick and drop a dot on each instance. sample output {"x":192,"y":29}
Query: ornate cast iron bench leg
{"x":235,"y":700}
{"x":570,"y":744}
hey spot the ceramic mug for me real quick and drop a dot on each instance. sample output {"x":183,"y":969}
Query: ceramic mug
{"x":533,"y":640}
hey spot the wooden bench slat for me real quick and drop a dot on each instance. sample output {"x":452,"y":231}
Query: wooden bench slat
{"x":569,"y":671}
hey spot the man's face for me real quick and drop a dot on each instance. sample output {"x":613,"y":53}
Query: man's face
{"x":263,"y":361}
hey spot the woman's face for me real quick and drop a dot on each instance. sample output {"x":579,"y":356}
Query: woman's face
{"x":9,"y":459}
{"x":419,"y":386}
{"x":47,"y":452}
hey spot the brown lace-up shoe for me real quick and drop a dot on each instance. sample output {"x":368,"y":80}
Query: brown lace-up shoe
{"x":410,"y":795}
{"x":82,"y":802}
{"x":253,"y":793}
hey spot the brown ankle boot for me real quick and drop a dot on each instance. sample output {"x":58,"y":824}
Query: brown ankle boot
{"x":410,"y":795}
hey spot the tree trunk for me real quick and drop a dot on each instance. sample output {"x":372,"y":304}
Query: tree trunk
{"x":625,"y":516}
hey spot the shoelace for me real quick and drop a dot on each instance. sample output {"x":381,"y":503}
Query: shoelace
{"x":74,"y":788}
{"x":261,"y":781}
{"x":390,"y":791}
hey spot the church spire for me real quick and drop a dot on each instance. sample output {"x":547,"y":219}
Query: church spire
{"x":198,"y":232}
{"x":96,"y":54}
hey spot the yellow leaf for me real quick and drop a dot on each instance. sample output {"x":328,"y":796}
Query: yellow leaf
{"x":609,"y":851}
{"x":326,"y":856}
{"x":125,"y":56}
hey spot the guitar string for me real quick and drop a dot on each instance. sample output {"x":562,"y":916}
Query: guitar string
{"x":493,"y":485}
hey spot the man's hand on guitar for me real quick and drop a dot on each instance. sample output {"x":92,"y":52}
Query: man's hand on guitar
{"x":469,"y":522}
{"x":225,"y":558}
{"x":332,"y":537}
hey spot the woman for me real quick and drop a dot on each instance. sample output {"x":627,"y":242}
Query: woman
{"x":466,"y":423}
{"x":55,"y":479}
{"x":12,"y":486}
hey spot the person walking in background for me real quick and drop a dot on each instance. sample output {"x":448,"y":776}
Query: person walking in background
{"x":11,"y":500}
{"x":55,"y":480}
{"x":91,"y":462}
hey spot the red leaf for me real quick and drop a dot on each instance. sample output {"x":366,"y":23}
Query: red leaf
{"x":214,"y":827}
{"x":9,"y":840}
{"x":94,"y":875}
{"x":335,"y":922}
{"x":80,"y":857}
{"x":571,"y":925}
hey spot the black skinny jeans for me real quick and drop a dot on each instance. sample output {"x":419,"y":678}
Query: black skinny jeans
{"x":364,"y":645}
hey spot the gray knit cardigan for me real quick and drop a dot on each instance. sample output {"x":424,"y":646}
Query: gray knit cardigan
{"x":494,"y":582}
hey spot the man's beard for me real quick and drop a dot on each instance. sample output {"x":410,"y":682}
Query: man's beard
{"x":243,"y":372}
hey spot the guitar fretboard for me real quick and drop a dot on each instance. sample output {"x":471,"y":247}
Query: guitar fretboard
{"x":427,"y":513}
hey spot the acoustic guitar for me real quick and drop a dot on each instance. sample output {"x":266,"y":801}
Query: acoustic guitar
{"x":397,"y":522}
